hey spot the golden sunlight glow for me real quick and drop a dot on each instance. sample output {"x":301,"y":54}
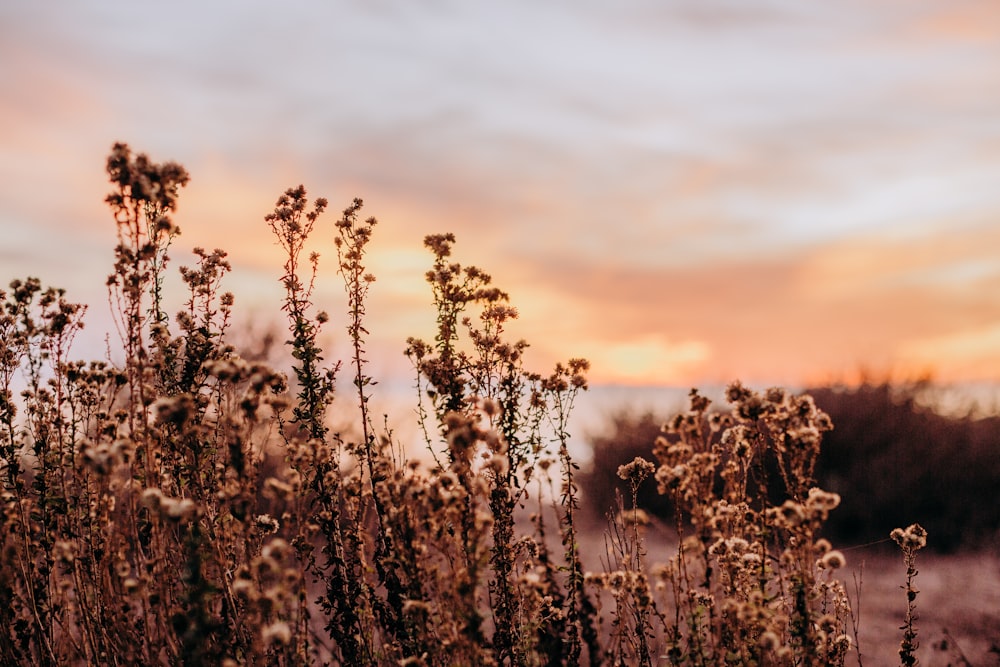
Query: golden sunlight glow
{"x":964,"y":355}
{"x":649,"y":359}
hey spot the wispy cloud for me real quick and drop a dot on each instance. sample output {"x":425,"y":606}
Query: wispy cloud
{"x":699,"y":190}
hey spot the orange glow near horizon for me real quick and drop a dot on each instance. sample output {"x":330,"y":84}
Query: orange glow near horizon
{"x":685,"y":326}
{"x":680,"y":326}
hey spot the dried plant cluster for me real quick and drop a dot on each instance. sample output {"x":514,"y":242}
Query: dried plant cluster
{"x":751,"y":582}
{"x":187,"y":506}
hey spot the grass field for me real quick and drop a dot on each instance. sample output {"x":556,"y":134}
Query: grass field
{"x":188,"y":506}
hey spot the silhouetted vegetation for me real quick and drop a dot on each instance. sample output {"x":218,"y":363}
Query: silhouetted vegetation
{"x":892,"y":459}
{"x":896,"y":461}
{"x":189,"y":506}
{"x":626,"y":436}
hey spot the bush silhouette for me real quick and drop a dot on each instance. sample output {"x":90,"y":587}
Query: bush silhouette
{"x":892,"y":459}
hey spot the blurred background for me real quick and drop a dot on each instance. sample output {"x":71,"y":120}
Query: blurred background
{"x":685,"y":193}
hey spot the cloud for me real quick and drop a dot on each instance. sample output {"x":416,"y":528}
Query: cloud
{"x":965,"y":22}
{"x":829,"y":309}
{"x":969,"y":354}
{"x":725,"y":191}
{"x":650,"y":359}
{"x":944,"y":255}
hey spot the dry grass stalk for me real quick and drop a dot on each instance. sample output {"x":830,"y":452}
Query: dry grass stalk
{"x":191,"y":507}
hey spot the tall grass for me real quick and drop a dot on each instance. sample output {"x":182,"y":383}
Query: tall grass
{"x":188,"y":506}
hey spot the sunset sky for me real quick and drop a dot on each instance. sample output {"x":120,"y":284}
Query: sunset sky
{"x":683,"y":192}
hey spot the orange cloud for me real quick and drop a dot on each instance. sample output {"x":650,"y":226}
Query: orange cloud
{"x":943,"y":256}
{"x":649,"y":359}
{"x":975,"y":21}
{"x":671,"y":224}
{"x":967,"y":354}
{"x":782,"y":318}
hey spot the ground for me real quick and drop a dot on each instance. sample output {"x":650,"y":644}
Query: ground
{"x":958,"y":608}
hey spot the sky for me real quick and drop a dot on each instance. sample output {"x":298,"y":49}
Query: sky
{"x":683,"y":192}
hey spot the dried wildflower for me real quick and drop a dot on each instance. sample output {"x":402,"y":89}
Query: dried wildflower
{"x":497,"y":464}
{"x":913,"y":538}
{"x":821,"y":500}
{"x":277,"y":633}
{"x":748,"y":404}
{"x":737,"y":545}
{"x":412,"y":565}
{"x":789,"y":515}
{"x":636,"y":471}
{"x":803,"y":436}
{"x":180,"y":510}
{"x":717,"y":548}
{"x":243,"y":589}
{"x":151,"y":498}
{"x":490,"y":407}
{"x":776,"y":395}
{"x":769,"y":641}
{"x":738,"y":439}
{"x":833,"y":560}
{"x":267,"y":524}
{"x":668,"y":477}
{"x":823,"y":422}
{"x":532,"y":579}
{"x":617,"y":580}
{"x":701,"y":598}
{"x":827,"y":623}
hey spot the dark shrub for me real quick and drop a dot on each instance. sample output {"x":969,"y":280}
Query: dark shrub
{"x":893,"y":461}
